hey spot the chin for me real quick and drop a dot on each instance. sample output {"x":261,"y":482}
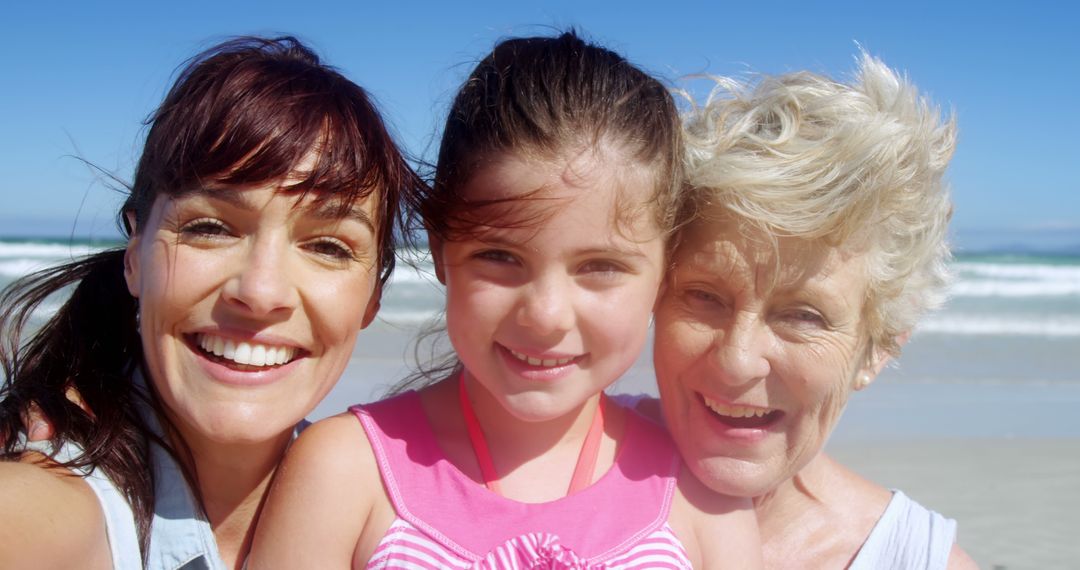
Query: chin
{"x":733,"y":477}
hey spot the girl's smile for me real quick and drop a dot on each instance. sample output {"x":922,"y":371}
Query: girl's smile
{"x":546,"y":317}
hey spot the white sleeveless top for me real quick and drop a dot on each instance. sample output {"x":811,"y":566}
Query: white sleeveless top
{"x":908,"y":536}
{"x":119,"y":520}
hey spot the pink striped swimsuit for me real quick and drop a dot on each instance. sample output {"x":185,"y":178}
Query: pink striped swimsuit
{"x":447,"y":520}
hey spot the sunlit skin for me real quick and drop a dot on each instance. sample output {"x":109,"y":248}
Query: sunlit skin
{"x":579,"y":288}
{"x":746,"y":328}
{"x":256,"y":265}
{"x":543,"y":317}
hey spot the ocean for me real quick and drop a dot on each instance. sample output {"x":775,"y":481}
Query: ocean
{"x":1017,"y":313}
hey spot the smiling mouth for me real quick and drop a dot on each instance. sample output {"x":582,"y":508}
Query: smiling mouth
{"x":742,"y":416}
{"x":541,"y":362}
{"x":243,"y":354}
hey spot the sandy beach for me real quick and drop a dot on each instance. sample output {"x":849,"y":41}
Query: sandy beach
{"x":1003,"y":459}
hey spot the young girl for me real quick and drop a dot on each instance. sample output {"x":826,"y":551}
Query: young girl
{"x":548,"y":220}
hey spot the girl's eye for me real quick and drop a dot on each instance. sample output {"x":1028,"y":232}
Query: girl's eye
{"x":331,"y":248}
{"x":495,"y":256}
{"x":205,"y":228}
{"x":600,"y":266}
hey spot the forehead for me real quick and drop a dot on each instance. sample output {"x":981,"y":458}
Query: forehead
{"x":722,"y":248}
{"x":596,"y":171}
{"x":514,"y":190}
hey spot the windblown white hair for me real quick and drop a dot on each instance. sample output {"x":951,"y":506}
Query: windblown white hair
{"x":857,"y":164}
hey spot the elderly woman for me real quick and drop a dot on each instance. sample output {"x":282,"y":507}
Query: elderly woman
{"x":817,"y":242}
{"x":261,"y":224}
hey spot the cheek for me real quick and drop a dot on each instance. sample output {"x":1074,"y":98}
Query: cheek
{"x":336,"y":308}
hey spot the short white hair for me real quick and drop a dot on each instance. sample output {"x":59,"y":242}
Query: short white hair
{"x":859,"y":164}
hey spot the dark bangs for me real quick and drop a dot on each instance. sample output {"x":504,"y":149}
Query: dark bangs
{"x":249,"y":112}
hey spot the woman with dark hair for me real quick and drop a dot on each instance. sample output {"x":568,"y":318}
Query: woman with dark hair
{"x":260,"y":226}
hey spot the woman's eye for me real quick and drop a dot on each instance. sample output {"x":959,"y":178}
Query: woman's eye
{"x":205,"y":228}
{"x":332,"y":248}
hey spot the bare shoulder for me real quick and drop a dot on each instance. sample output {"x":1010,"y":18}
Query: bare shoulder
{"x":335,"y":443}
{"x":718,"y":531}
{"x":333,"y":453}
{"x":959,"y":560}
{"x":41,"y":502}
{"x":323,"y":493}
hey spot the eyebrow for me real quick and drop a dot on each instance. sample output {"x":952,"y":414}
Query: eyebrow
{"x":324,"y":210}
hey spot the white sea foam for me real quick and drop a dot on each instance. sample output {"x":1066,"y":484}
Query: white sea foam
{"x":398,"y":316}
{"x":1019,"y":271}
{"x":1016,"y":280}
{"x":1000,"y":326}
{"x":55,"y":251}
{"x":15,"y":268}
{"x":1015,"y":288}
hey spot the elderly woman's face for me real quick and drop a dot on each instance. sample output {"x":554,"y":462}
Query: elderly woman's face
{"x":755,"y":355}
{"x":250,"y":303}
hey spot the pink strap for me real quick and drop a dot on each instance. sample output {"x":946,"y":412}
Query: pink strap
{"x":479,"y":443}
{"x":586,"y":462}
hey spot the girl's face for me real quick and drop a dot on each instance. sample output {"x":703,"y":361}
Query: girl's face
{"x":250,"y":302}
{"x":546,"y":316}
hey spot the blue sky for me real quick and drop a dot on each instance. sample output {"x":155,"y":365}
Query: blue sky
{"x":79,"y":77}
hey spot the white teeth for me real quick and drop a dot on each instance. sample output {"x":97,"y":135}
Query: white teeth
{"x":248,"y":353}
{"x":243,"y":353}
{"x":735,"y":411}
{"x":546,"y":362}
{"x":258,"y":355}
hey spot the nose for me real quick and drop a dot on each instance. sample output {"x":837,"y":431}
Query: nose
{"x":547,"y":305}
{"x":740,"y":352}
{"x":262,"y":283}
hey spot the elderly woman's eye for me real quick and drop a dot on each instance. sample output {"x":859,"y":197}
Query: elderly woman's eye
{"x":331,"y":248}
{"x":702,"y":296}
{"x":805,"y":317}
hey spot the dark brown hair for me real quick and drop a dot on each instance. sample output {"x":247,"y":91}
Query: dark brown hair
{"x":244,"y":113}
{"x":541,"y":96}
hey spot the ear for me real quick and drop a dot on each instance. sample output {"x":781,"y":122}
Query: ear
{"x":372,"y":306}
{"x":435,"y":245}
{"x":876,"y":362}
{"x":131,"y":257}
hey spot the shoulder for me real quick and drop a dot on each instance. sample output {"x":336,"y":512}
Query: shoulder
{"x":910,"y":533}
{"x":325,"y":490}
{"x":717,"y":530}
{"x":330,"y":449}
{"x":40,"y":502}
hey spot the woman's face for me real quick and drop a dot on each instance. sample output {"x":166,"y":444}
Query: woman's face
{"x":250,"y":301}
{"x":756,"y":353}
